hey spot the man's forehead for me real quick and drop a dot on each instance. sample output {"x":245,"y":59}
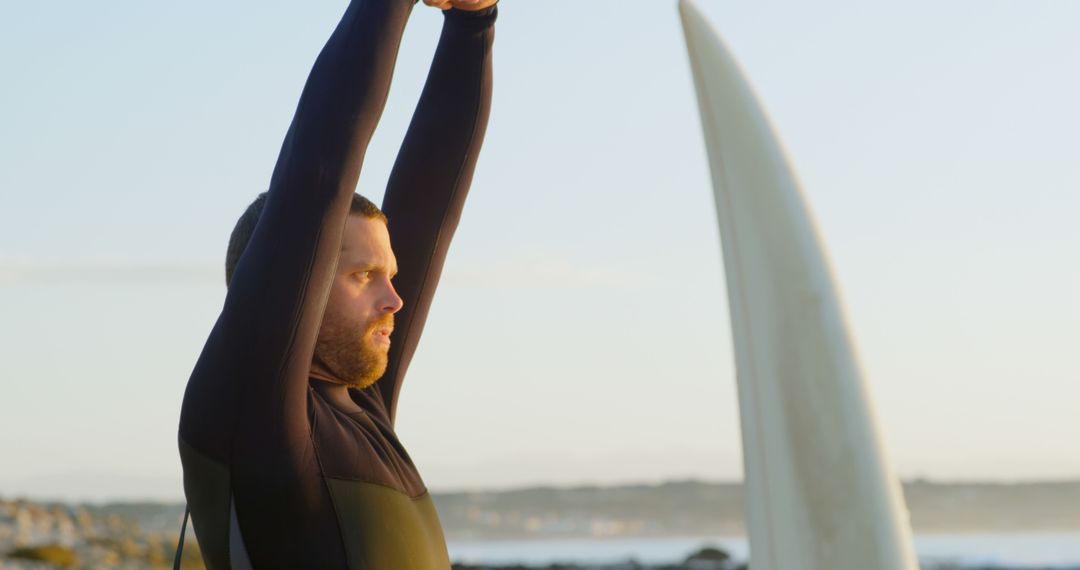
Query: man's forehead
{"x":366,"y":240}
{"x":364,"y":233}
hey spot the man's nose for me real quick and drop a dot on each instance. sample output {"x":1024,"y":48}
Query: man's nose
{"x":392,"y":303}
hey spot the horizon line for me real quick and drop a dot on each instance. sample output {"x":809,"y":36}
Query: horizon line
{"x":44,"y":499}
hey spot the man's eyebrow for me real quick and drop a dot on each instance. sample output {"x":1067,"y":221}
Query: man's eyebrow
{"x":360,"y":266}
{"x":369,"y":266}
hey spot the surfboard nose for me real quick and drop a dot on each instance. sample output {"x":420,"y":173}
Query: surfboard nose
{"x":820,"y":492}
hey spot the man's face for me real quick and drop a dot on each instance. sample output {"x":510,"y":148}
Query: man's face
{"x":355,"y":335}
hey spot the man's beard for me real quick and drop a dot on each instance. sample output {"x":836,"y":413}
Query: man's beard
{"x":348,"y":353}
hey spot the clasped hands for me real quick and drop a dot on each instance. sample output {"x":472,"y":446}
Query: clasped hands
{"x":469,"y":5}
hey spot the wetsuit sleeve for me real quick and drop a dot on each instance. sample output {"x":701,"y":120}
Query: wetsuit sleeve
{"x":429,"y":182}
{"x":246,"y":402}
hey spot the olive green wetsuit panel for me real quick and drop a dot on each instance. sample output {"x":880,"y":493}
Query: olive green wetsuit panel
{"x":206,"y":484}
{"x":385,"y":528}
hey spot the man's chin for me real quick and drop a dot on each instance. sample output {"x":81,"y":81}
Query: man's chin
{"x":372,"y":376}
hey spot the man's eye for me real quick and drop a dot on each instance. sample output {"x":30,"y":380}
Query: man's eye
{"x":362,"y":275}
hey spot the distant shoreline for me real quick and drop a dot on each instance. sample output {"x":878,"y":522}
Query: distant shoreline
{"x":692,"y":507}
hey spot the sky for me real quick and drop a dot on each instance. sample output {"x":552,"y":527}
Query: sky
{"x":580,"y":334}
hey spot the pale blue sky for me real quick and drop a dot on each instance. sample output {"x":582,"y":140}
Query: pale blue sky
{"x":580,"y":334}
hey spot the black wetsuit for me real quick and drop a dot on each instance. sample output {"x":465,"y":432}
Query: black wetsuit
{"x":275,"y":474}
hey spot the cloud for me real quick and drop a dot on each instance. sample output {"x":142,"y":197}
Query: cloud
{"x":114,"y":272}
{"x":539,"y":273}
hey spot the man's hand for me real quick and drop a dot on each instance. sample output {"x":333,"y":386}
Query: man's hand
{"x":468,"y":5}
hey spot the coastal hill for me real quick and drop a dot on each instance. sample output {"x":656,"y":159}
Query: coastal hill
{"x":688,"y":508}
{"x":676,"y":508}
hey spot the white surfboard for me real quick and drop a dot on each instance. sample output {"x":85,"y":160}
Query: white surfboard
{"x":820,"y":493}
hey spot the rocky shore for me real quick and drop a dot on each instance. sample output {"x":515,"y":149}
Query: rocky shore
{"x":36,"y":536}
{"x":41,"y":536}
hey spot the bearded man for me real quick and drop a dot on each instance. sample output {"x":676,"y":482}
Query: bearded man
{"x":287,"y":428}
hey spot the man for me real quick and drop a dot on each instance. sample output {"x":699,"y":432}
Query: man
{"x":287,"y":428}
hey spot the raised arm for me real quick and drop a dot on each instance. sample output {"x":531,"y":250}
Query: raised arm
{"x":246,"y":402}
{"x":431,"y":177}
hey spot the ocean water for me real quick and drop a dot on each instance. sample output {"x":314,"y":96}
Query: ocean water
{"x":1016,"y":549}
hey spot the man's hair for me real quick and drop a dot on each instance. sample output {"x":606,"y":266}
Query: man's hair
{"x":245,"y":226}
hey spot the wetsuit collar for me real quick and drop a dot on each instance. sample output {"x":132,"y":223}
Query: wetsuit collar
{"x":336,"y":393}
